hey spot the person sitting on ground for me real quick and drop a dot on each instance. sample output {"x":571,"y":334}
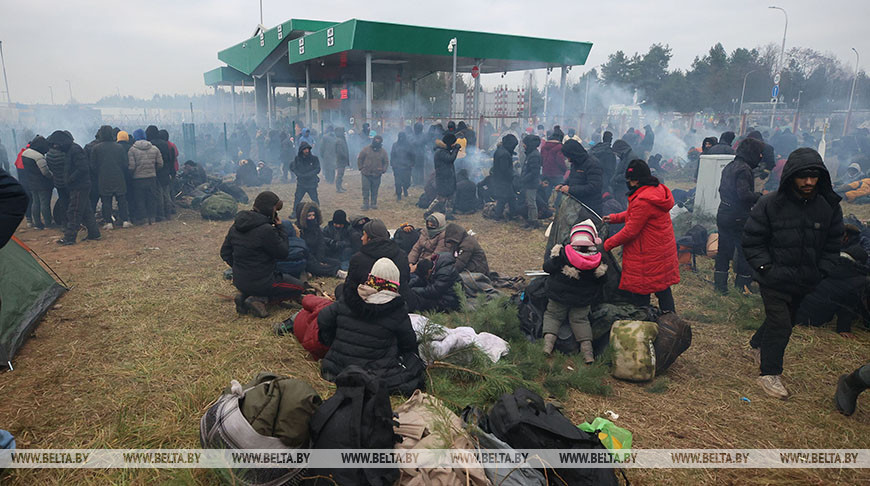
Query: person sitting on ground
{"x":853,"y":174}
{"x":431,"y":241}
{"x":308,"y":219}
{"x":246,"y":174}
{"x":574,"y":284}
{"x":193,"y":175}
{"x":840,"y":293}
{"x":253,"y":245}
{"x":264,"y":174}
{"x":856,"y":192}
{"x":341,"y":240}
{"x":433,"y":283}
{"x":373,"y":332}
{"x":466,"y":194}
{"x":466,"y":250}
{"x":849,"y":387}
{"x":376,"y":244}
{"x":406,"y":236}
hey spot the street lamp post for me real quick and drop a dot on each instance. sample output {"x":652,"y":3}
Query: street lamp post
{"x":742,"y":93}
{"x":452,"y":47}
{"x":852,"y":94}
{"x":51,"y":92}
{"x":5,"y":80}
{"x":781,"y":57}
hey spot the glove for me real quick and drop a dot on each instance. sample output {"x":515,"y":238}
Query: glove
{"x":555,"y":251}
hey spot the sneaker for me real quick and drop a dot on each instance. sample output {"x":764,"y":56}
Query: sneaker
{"x":65,"y":242}
{"x":342,"y":274}
{"x":127,"y":224}
{"x":109,"y":226}
{"x":283,"y":328}
{"x":772,"y":385}
{"x":257,"y":307}
{"x":241,"y":308}
{"x":755,"y":355}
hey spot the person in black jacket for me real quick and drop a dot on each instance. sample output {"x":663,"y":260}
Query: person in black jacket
{"x":606,"y":159}
{"x":376,"y":244}
{"x":373,"y":332}
{"x":342,"y":158}
{"x":466,"y":201}
{"x":585,"y":178}
{"x":736,"y":197}
{"x":502,"y":176}
{"x":707,"y":144}
{"x":626,"y":154}
{"x":308,"y":219}
{"x":724,"y":145}
{"x":530,"y":179}
{"x":109,"y":159}
{"x":433,"y":284}
{"x":446,"y":151}
{"x":39,"y":179}
{"x":254,"y":244}
{"x":13,"y":206}
{"x":342,"y":241}
{"x":402,"y":158}
{"x":769,"y":160}
{"x":306,"y":167}
{"x":791,"y":240}
{"x":164,"y":173}
{"x":75,"y":173}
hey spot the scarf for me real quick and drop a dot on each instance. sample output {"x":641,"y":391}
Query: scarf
{"x":379,"y":283}
{"x":582,"y":261}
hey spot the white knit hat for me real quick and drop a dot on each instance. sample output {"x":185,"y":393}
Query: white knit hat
{"x":385,"y":268}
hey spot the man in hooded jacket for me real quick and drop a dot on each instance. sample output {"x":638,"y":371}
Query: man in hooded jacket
{"x":342,"y":158}
{"x":77,"y":178}
{"x":553,"y":161}
{"x":502,"y":175}
{"x":530,"y":179}
{"x":164,"y":173}
{"x":143,"y":162}
{"x":724,"y":145}
{"x":791,"y":240}
{"x":402,"y":157}
{"x":372,"y":163}
{"x":585,"y":179}
{"x":446,"y":151}
{"x":736,"y":197}
{"x":607,"y":161}
{"x":109,"y":159}
{"x":306,"y":167}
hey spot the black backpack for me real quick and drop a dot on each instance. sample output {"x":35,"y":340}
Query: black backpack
{"x":699,"y":239}
{"x":531,"y":304}
{"x":524,"y":421}
{"x":358,"y":416}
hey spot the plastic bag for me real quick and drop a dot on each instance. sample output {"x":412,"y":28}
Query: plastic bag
{"x":614,"y":438}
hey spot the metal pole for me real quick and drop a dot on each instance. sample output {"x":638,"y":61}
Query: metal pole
{"x":475,"y":120}
{"x":368,"y":87}
{"x":261,"y":12}
{"x":233,"y":96}
{"x":244,"y":103}
{"x":5,"y":80}
{"x":852,"y":94}
{"x":797,"y":113}
{"x":51,"y":91}
{"x":742,"y":93}
{"x":307,"y":96}
{"x":455,"y":44}
{"x":269,"y":97}
{"x":563,"y":89}
{"x":69,"y":84}
{"x":781,"y":58}
{"x":546,"y":92}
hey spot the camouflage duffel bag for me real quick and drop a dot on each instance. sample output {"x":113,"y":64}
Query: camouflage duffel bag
{"x":634,"y":357}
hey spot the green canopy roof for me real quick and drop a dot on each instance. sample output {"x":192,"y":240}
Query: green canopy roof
{"x":247,"y":56}
{"x":225,"y":76}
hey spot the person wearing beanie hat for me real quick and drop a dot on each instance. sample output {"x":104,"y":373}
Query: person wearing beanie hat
{"x":254,"y":244}
{"x":376,"y":244}
{"x":530,"y":179}
{"x":649,"y":253}
{"x":791,"y":240}
{"x":575,"y":282}
{"x":109,"y":159}
{"x":626,"y":154}
{"x":122,"y":136}
{"x":553,"y":162}
{"x":341,"y":240}
{"x":372,"y":163}
{"x":431,"y":241}
{"x":139,"y":134}
{"x":585,"y":179}
{"x":446,"y":151}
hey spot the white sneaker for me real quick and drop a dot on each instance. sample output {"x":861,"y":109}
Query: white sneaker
{"x":341,"y":274}
{"x":772,"y":385}
{"x":127,"y":224}
{"x":109,"y":226}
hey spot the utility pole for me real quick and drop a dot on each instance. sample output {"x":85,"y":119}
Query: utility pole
{"x":69,"y":84}
{"x":5,"y":80}
{"x":51,"y":92}
{"x":452,"y":47}
{"x":781,"y":61}
{"x":851,"y":95}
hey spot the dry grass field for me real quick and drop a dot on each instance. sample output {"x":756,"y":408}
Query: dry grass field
{"x":134,"y":354}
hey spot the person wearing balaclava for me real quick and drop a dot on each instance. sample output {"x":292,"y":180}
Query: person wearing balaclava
{"x":606,"y":159}
{"x":626,"y":154}
{"x":308,"y":219}
{"x":342,"y":160}
{"x":791,"y":240}
{"x":372,"y":163}
{"x":254,"y":244}
{"x":502,"y":177}
{"x":736,"y":197}
{"x":431,"y":241}
{"x":649,"y":248}
{"x":585,"y":177}
{"x":305,"y":166}
{"x":530,"y":179}
{"x":446,"y":151}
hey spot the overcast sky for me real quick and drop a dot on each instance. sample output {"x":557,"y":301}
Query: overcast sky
{"x":164,"y":46}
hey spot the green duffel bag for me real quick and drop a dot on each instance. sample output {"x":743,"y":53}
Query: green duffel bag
{"x":634,"y":356}
{"x":219,"y":207}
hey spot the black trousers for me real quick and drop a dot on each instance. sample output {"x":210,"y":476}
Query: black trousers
{"x":501,"y":202}
{"x":78,"y":213}
{"x":122,"y":207}
{"x":60,"y":207}
{"x":146,"y":192}
{"x":730,"y":226}
{"x":301,"y":190}
{"x":339,"y":177}
{"x":780,"y":310}
{"x":666,"y":300}
{"x":402,"y":179}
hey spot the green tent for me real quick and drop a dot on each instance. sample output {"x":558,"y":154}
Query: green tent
{"x":27,"y":291}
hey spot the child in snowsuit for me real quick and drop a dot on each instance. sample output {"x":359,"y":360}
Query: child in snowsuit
{"x":575,"y":282}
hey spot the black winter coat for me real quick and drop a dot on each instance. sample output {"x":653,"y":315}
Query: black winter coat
{"x":402,"y":155}
{"x":78,"y":169}
{"x":737,"y":188}
{"x":617,"y":183}
{"x":109,"y":159}
{"x":361,"y":264}
{"x":445,"y":172}
{"x":437,"y":293}
{"x":570,"y":286}
{"x":607,"y":161}
{"x":502,"y":174}
{"x":339,"y":239}
{"x":306,"y":168}
{"x":57,"y":161}
{"x":165,"y":173}
{"x":376,"y":337}
{"x":466,"y":201}
{"x":530,"y":178}
{"x":13,"y":205}
{"x":837,"y":295}
{"x":721,"y":149}
{"x":252,"y":247}
{"x":791,"y":242}
{"x":585,"y":181}
{"x":36,"y":181}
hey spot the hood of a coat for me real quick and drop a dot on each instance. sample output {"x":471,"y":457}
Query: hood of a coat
{"x":105,"y":134}
{"x":444,"y":260}
{"x":248,"y":220}
{"x":32,"y":154}
{"x":509,"y":142}
{"x":551,"y":146}
{"x":40,"y":144}
{"x":60,"y":138}
{"x":621,"y":147}
{"x":807,"y":158}
{"x":304,"y":209}
{"x":531,"y":143}
{"x":302,"y":146}
{"x":455,"y":233}
{"x":751,"y":151}
{"x":574,"y":151}
{"x":152,"y":133}
{"x":142,"y":145}
{"x":381,"y":249}
{"x":659,"y":196}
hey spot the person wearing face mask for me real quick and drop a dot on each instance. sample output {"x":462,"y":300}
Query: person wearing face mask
{"x":792,"y":241}
{"x":306,"y":167}
{"x":372,"y":163}
{"x":530,"y":178}
{"x":446,"y":151}
{"x":431,"y":241}
{"x":649,"y":248}
{"x":308,"y":219}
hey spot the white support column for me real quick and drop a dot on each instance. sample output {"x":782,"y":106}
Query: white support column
{"x":233,"y":96}
{"x":369,"y":87}
{"x":563,"y":88}
{"x":269,"y":99}
{"x":307,"y":97}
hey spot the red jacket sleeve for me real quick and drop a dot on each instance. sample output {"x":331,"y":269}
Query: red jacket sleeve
{"x":634,"y":223}
{"x":618,"y":217}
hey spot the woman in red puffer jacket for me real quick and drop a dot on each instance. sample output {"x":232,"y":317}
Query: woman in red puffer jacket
{"x":649,"y":255}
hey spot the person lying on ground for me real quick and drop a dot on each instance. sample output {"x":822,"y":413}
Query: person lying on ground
{"x":466,"y":250}
{"x":253,"y":245}
{"x":433,"y":283}
{"x":431,"y":241}
{"x":308,"y":219}
{"x":373,"y":332}
{"x":574,"y":284}
{"x":857,"y":192}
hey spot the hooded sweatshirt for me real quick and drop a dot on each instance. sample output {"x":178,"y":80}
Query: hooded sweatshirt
{"x":306,"y":167}
{"x":530,"y":178}
{"x":586,"y":178}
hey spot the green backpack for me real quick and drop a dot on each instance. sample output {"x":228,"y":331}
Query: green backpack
{"x":634,"y":357}
{"x":220,"y":207}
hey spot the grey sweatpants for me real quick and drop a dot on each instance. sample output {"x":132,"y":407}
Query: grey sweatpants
{"x":578,"y":318}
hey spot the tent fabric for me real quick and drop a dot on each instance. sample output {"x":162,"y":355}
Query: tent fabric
{"x":27,"y":291}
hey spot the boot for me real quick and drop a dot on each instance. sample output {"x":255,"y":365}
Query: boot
{"x":549,"y":343}
{"x":743,"y":283}
{"x":586,"y":351}
{"x":720,"y":282}
{"x":772,"y":385}
{"x":241,"y":308}
{"x":848,"y":388}
{"x":257,"y":307}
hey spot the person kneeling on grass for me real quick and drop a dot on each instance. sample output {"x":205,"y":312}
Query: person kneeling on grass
{"x":373,"y":332}
{"x":252,"y":247}
{"x":575,"y":283}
